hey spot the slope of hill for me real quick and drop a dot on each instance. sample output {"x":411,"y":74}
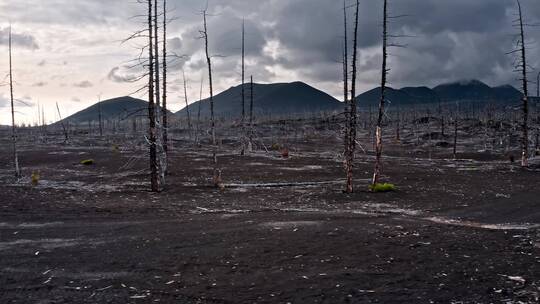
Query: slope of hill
{"x":116,"y":108}
{"x":421,"y":94}
{"x":464,"y":90}
{"x":373,"y":96}
{"x":507,"y":92}
{"x":268,"y":99}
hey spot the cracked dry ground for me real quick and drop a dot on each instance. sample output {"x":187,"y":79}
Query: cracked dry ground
{"x":454,"y":232}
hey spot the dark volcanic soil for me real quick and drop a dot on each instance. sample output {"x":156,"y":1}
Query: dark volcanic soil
{"x":464,"y":231}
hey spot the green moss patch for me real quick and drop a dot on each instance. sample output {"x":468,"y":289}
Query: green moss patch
{"x":87,"y":162}
{"x":382,"y":187}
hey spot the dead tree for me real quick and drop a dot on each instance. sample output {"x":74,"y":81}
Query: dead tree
{"x":456,"y":115}
{"x":398,"y":124}
{"x":349,"y":158}
{"x":13,"y":126}
{"x":384,"y":74}
{"x":161,"y":157}
{"x":537,"y":130}
{"x":441,"y":115}
{"x":156,"y":60}
{"x":347,"y":132}
{"x":250,"y":137}
{"x":199,"y":112}
{"x":100,"y":117}
{"x":538,"y":85}
{"x":243,"y":95}
{"x":187,"y":104}
{"x":64,"y":129}
{"x":165,"y":122}
{"x":217,"y":172}
{"x":522,"y":67}
{"x":154,"y":179}
{"x":43,"y":121}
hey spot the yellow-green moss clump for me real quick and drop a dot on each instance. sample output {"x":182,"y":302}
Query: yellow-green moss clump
{"x":382,"y":187}
{"x":275,"y":147}
{"x":87,"y":162}
{"x":35,"y":178}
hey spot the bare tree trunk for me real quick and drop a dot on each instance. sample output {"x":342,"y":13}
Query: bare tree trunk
{"x":13,"y":127}
{"x":384,"y":72}
{"x":64,"y":129}
{"x":347,"y":129}
{"x":165,"y":119}
{"x":398,"y":135}
{"x":100,"y":117}
{"x":199,"y":112}
{"x":156,"y":60}
{"x":537,"y":86}
{"x":537,"y":141}
{"x":525,"y":126}
{"x":217,"y":172}
{"x":442,"y":118}
{"x":243,"y":92}
{"x":250,"y":143}
{"x":154,"y":180}
{"x":456,"y":131}
{"x":187,"y":104}
{"x":352,"y":115}
{"x":161,"y":157}
{"x":43,"y":121}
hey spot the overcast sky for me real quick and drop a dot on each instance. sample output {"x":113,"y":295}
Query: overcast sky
{"x":69,"y":51}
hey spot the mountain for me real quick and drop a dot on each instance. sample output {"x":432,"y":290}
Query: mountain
{"x":421,"y":94}
{"x":507,"y":92}
{"x":468,"y":91}
{"x":373,"y":96}
{"x":472,"y":90}
{"x":273,"y":99}
{"x":116,"y":108}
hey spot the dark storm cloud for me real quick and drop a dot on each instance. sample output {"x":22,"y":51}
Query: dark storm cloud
{"x":452,"y":39}
{"x":225,"y":34}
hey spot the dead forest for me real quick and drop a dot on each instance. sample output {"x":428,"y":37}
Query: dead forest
{"x":366,"y":202}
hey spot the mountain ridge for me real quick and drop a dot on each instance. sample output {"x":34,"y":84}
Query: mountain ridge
{"x":115,"y":108}
{"x":271,"y":99}
{"x":466,"y":91}
{"x":298,"y":98}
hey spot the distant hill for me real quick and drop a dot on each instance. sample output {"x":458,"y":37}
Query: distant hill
{"x":507,"y":92}
{"x":373,"y":96}
{"x":116,"y":108}
{"x":268,"y":99}
{"x":467,"y":91}
{"x":464,"y":90}
{"x":421,"y":94}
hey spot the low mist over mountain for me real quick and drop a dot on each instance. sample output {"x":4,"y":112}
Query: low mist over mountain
{"x":116,"y":108}
{"x":467,"y":91}
{"x":269,"y":99}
